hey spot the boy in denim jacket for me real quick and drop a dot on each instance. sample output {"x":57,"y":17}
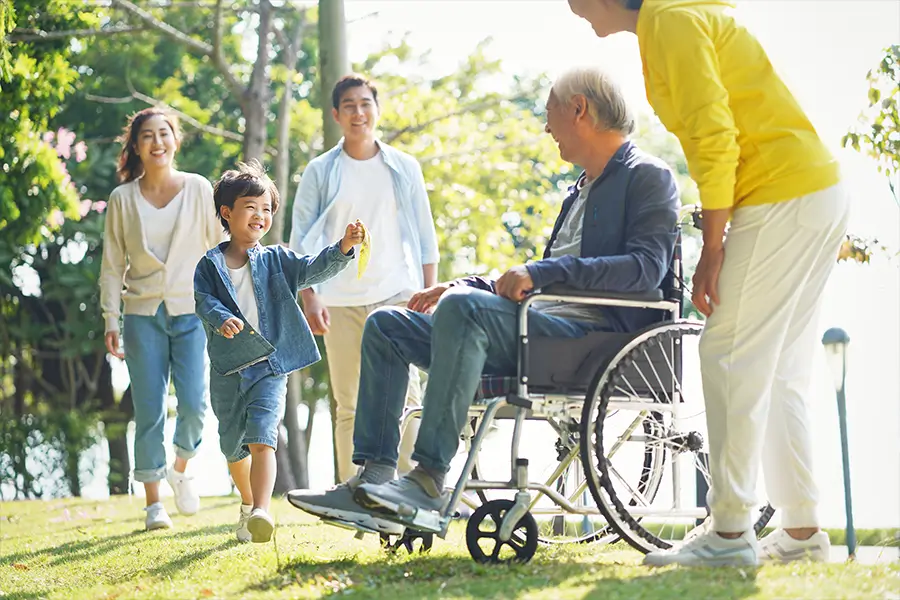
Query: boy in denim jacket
{"x":246,"y":296}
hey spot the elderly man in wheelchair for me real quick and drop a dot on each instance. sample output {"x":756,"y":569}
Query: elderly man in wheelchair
{"x":573,"y":325}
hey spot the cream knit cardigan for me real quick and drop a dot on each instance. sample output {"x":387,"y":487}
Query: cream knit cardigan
{"x":132,"y":273}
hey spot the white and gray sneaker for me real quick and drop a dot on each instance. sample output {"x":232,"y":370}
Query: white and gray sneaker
{"x":187,"y":500}
{"x":709,"y":549}
{"x":157,"y":517}
{"x":243,"y":533}
{"x":260,"y":525}
{"x":778,"y":546}
{"x":338,"y":503}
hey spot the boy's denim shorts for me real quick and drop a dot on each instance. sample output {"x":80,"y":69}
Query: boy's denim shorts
{"x":249,"y":405}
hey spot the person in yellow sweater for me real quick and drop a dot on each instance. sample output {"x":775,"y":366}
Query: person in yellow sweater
{"x":758,"y":163}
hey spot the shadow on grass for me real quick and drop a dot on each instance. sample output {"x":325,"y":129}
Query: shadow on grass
{"x":91,"y":547}
{"x":435,"y":576}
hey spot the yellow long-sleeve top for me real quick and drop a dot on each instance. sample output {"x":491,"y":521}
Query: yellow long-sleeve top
{"x":745,"y":137}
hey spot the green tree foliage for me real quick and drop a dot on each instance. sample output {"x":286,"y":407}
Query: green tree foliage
{"x":32,"y":182}
{"x":877,"y":134}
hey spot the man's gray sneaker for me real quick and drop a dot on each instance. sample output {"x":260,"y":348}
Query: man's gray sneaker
{"x":338,"y":503}
{"x":389,"y":497}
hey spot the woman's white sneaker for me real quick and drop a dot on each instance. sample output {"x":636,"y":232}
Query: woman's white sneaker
{"x":187,"y":500}
{"x":260,"y":525}
{"x":157,"y":517}
{"x":778,"y":546}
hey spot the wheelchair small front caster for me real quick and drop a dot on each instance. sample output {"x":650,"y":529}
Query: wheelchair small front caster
{"x":484,"y":525}
{"x":409,"y":541}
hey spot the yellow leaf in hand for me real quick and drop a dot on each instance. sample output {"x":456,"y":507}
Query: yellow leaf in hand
{"x":365,"y":249}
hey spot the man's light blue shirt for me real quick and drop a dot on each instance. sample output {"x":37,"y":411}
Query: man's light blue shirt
{"x":319,"y":188}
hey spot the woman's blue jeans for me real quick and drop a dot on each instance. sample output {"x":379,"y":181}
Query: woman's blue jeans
{"x":156,"y":347}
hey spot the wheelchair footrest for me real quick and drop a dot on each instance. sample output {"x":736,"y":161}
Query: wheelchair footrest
{"x":348,"y":525}
{"x":516,"y":400}
{"x":427,"y":521}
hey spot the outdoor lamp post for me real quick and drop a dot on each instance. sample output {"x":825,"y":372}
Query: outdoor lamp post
{"x":836,"y":341}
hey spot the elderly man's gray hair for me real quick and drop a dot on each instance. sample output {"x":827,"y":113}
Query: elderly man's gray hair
{"x":605,"y":101}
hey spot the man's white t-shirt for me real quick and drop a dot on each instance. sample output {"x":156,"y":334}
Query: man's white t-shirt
{"x":367,"y":194}
{"x":246,"y":299}
{"x":159,"y":225}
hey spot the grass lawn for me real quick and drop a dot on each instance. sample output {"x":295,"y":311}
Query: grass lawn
{"x":98,"y":550}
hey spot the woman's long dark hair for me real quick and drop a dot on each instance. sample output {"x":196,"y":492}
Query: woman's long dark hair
{"x":130,"y":165}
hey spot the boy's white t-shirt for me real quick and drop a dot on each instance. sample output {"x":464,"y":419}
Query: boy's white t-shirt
{"x":246,"y":299}
{"x":367,"y":194}
{"x":159,"y":225}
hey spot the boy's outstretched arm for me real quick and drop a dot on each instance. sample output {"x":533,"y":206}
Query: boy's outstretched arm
{"x":305,"y":270}
{"x":207,"y":306}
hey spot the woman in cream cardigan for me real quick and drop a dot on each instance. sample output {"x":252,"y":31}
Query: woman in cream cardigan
{"x":159,"y":223}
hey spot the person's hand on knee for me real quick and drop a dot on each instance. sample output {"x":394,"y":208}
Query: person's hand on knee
{"x":427,"y":299}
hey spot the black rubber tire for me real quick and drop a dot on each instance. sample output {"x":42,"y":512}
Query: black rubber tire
{"x":523,"y":542}
{"x":599,"y":480}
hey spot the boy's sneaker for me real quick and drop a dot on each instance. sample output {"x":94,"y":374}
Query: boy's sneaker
{"x":157,"y":517}
{"x":407,"y":491}
{"x":187,"y":501}
{"x":338,"y":503}
{"x":709,"y":549}
{"x":243,"y":533}
{"x":260,"y":525}
{"x":778,"y":546}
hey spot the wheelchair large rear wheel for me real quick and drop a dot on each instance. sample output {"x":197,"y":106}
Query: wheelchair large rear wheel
{"x":648,"y":402}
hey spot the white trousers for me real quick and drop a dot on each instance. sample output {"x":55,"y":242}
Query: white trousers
{"x":756,"y":356}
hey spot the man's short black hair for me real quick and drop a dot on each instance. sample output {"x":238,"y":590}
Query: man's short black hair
{"x":248,"y":181}
{"x":351,"y":81}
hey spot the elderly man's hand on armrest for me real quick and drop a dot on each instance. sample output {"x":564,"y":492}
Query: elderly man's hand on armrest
{"x":515,"y":284}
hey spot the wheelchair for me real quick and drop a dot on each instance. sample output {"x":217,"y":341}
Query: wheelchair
{"x":631,"y":455}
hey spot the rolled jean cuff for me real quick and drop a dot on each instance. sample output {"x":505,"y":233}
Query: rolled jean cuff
{"x":359,"y":458}
{"x":270,"y":442}
{"x":150,"y":475}
{"x":732,"y":522}
{"x":186,"y":454}
{"x":804,"y":515}
{"x":241,"y":455}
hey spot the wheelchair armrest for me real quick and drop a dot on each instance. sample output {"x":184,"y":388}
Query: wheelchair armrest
{"x":562,"y":290}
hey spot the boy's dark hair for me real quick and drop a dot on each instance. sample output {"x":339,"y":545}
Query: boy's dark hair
{"x":351,"y":81}
{"x":250,"y":180}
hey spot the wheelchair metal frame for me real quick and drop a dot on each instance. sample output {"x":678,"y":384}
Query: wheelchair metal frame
{"x":525,"y":404}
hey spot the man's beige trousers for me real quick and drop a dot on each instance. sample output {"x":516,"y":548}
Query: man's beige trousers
{"x":342,"y":343}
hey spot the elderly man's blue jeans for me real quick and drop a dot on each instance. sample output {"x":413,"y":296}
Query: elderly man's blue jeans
{"x":471,"y":332}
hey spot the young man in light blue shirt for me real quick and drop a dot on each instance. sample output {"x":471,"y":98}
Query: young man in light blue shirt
{"x":363,"y":178}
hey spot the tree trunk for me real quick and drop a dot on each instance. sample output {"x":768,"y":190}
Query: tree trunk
{"x":298,"y":452}
{"x":333,"y":63}
{"x":284,"y":478}
{"x":116,"y":438}
{"x":283,"y":159}
{"x":72,"y":473}
{"x":256,"y":97}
